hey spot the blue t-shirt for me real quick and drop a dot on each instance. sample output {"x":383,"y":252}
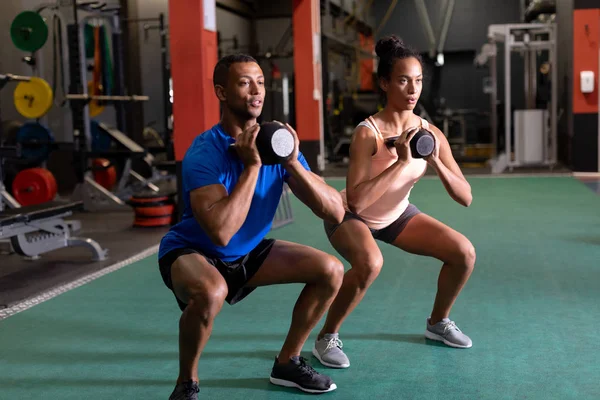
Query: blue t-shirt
{"x":209,"y":161}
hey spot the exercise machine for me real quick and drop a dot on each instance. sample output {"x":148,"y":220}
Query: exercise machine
{"x":535,"y":127}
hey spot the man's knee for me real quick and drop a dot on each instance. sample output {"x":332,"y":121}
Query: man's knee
{"x":206,"y":302}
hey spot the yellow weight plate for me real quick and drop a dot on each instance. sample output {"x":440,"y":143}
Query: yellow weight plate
{"x":95,"y":107}
{"x":33,"y":99}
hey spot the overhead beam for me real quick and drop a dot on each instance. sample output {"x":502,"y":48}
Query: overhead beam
{"x":237,"y":7}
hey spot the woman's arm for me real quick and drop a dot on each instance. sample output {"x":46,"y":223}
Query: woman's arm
{"x":361,"y":191}
{"x":448,"y":170}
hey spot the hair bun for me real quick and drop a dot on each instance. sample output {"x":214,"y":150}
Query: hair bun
{"x":388,"y":44}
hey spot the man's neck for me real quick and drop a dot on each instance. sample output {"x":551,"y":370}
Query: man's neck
{"x":233,"y":125}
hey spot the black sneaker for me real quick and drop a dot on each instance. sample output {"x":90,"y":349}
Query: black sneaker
{"x":185,"y":391}
{"x":297,"y":373}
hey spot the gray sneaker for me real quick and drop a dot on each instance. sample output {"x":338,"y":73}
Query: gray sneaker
{"x":329,"y":352}
{"x":446,"y":331}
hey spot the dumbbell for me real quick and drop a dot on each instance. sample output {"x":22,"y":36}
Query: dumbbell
{"x":275,"y":143}
{"x":421,"y":145}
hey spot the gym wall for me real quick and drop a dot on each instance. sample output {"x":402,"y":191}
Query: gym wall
{"x":462,"y":83}
{"x":586,"y":48}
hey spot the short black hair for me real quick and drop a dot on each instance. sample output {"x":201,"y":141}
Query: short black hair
{"x":222,"y":68}
{"x":389,"y":49}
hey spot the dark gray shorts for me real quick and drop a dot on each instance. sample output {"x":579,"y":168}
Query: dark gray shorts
{"x":387,"y":234}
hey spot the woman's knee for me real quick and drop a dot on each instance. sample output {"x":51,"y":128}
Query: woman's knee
{"x":367,"y":267}
{"x":331,"y":272}
{"x":466,"y":255}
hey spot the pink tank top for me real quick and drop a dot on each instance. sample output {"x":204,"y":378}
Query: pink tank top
{"x":394,"y":201}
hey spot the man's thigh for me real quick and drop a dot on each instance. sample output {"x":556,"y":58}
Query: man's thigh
{"x":192,"y":276}
{"x":290,"y":262}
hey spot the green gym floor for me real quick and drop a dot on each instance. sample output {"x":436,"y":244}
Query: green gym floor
{"x":531,"y":307}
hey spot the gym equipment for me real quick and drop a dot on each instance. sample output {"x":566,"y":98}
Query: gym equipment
{"x":34,"y":230}
{"x":5,"y":197}
{"x":95,"y":107}
{"x":152,"y":209}
{"x":167,"y":99}
{"x":539,"y":8}
{"x":123,"y":151}
{"x":10,"y":129}
{"x":33,"y":99}
{"x":37,"y":229}
{"x":283,"y":214}
{"x":29,"y":31}
{"x":535,"y":135}
{"x":88,"y":97}
{"x":100,"y":140}
{"x":275,"y":143}
{"x":34,"y":186}
{"x":105,"y":174}
{"x":36,"y":143}
{"x":421,"y":145}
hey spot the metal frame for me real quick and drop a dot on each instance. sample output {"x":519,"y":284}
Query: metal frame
{"x":524,"y":38}
{"x":33,"y":238}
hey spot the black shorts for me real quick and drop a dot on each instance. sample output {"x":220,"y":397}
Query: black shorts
{"x":387,"y":234}
{"x":236,"y":273}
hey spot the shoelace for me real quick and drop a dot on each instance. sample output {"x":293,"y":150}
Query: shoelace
{"x":334,"y":342}
{"x":450,"y":325}
{"x":306,"y":368}
{"x":191,"y":389}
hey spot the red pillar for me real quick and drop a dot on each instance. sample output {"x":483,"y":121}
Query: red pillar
{"x":306,"y":22}
{"x":193,"y":51}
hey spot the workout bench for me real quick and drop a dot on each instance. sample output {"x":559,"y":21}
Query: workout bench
{"x":38,"y":229}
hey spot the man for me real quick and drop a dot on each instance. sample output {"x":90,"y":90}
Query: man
{"x":218,"y":252}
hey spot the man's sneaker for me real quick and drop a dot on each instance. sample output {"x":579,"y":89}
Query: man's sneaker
{"x":446,"y":331}
{"x":297,"y":373}
{"x":185,"y":391}
{"x":329,"y":352}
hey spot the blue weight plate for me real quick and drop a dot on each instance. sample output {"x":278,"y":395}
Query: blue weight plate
{"x":35,"y":141}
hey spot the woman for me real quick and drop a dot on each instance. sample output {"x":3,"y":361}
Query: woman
{"x":376,"y":198}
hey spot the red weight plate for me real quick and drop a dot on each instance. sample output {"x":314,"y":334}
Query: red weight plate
{"x":34,"y":186}
{"x":160,"y":211}
{"x":152,"y":221}
{"x":107,"y":178}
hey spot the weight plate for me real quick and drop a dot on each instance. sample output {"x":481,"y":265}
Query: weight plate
{"x":35,"y":141}
{"x":34,"y":186}
{"x":29,"y":31}
{"x":33,"y":99}
{"x":107,"y":178}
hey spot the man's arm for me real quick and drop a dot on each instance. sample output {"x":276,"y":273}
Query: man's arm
{"x":311,"y":189}
{"x":219,"y":214}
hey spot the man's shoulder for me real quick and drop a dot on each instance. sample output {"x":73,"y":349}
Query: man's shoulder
{"x":209,"y":143}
